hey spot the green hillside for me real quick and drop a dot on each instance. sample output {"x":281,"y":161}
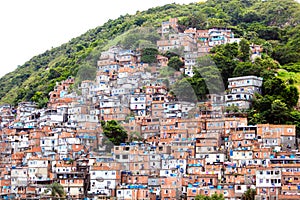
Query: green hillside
{"x":271,"y":23}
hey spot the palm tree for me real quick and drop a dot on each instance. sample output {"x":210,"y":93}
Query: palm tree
{"x":135,"y":136}
{"x":57,"y":191}
{"x":249,"y":194}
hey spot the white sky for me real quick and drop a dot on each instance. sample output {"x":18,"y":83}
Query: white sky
{"x":30,"y":27}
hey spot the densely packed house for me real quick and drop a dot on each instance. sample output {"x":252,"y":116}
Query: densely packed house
{"x":181,"y":149}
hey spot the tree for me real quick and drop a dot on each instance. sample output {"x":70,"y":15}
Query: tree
{"x":280,"y":90}
{"x":86,"y":72}
{"x":212,"y":79}
{"x":295,"y":119}
{"x":170,"y":54}
{"x":135,"y":136}
{"x":255,"y":117}
{"x":194,"y":20}
{"x":175,"y":63}
{"x":261,"y":108}
{"x":226,"y":66}
{"x":250,"y":35}
{"x":246,"y":69}
{"x":205,"y":61}
{"x":212,"y":197}
{"x":40,"y":99}
{"x":293,"y":67}
{"x":279,"y":112}
{"x":115,"y":133}
{"x":165,"y":72}
{"x":267,"y":47}
{"x":250,"y":16}
{"x":185,"y":91}
{"x":270,"y":109}
{"x":273,"y":86}
{"x":249,"y":194}
{"x":244,"y":50}
{"x":142,"y":44}
{"x":166,"y":83}
{"x":53,"y":73}
{"x":285,"y":54}
{"x":290,"y":95}
{"x":149,"y":55}
{"x":139,"y":37}
{"x":225,"y":58}
{"x":57,"y":190}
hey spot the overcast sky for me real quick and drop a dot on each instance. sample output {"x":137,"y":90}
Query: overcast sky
{"x":30,"y":27}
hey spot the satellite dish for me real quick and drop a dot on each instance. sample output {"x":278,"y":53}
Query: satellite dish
{"x":99,"y":179}
{"x":38,"y":175}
